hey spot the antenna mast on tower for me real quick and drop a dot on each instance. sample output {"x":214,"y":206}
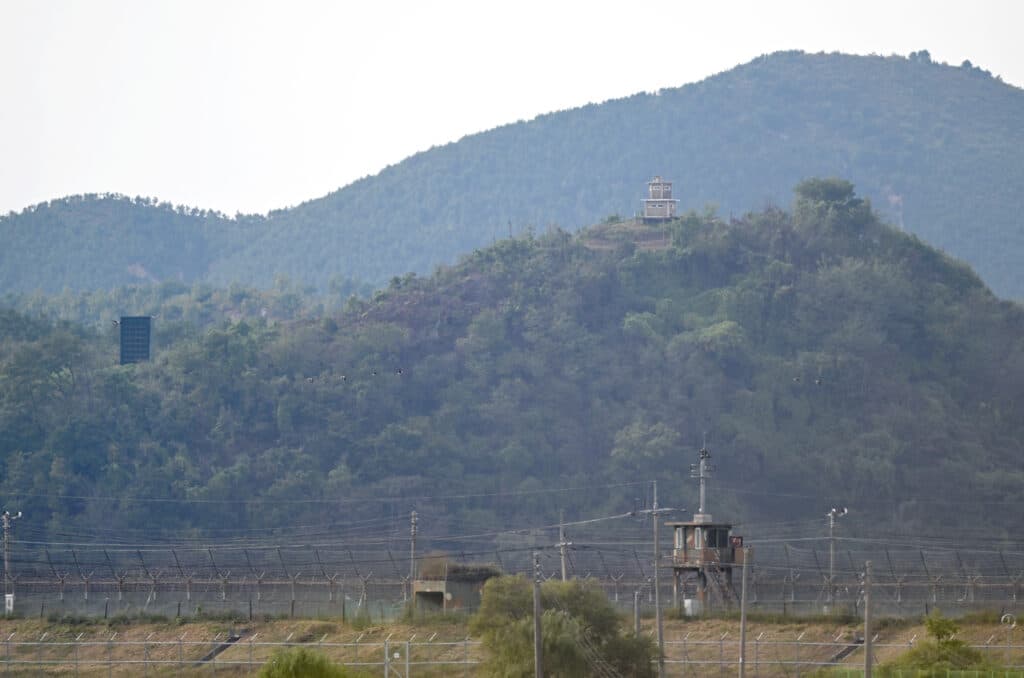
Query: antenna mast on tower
{"x":702,"y":472}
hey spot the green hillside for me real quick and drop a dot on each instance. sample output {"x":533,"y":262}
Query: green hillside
{"x":936,"y":148}
{"x":826,"y":357}
{"x":914,"y":135}
{"x":96,"y":242}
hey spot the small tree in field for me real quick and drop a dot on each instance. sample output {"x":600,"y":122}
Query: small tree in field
{"x":942,"y":652}
{"x":579,"y":628}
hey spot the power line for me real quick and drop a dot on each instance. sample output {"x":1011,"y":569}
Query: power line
{"x":351,"y":500}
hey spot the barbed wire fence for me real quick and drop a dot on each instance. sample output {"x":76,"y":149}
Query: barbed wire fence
{"x":362,"y":569}
{"x":370,"y":576}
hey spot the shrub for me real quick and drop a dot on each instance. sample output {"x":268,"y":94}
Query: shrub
{"x":942,"y":652}
{"x":301,"y":662}
{"x":579,"y":627}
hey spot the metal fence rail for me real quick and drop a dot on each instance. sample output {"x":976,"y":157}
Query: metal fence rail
{"x":792,"y":657}
{"x":132,"y":657}
{"x":766,"y":656}
{"x":329,"y":579}
{"x":386,"y":598}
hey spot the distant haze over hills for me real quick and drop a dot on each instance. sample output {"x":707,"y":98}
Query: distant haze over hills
{"x":936,"y":148}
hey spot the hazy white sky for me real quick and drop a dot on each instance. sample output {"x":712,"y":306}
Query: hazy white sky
{"x":250,"y":106}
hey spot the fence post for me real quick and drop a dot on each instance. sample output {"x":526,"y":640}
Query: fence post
{"x":407,"y":660}
{"x":796,"y":656}
{"x":867,"y":620}
{"x":743,"y":615}
{"x":387,"y":658}
{"x":636,"y":612}
{"x":1010,"y":622}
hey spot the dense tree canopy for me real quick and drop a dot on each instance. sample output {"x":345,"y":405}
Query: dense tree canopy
{"x":822,"y":364}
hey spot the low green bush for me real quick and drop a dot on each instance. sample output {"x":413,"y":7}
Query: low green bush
{"x":301,"y":662}
{"x":940,"y":654}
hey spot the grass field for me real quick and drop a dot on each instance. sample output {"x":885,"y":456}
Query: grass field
{"x":775,"y":646}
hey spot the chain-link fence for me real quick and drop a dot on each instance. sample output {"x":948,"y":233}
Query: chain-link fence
{"x":767,"y":654}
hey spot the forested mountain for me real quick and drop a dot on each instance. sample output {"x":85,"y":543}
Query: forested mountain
{"x":936,"y":148}
{"x":826,"y":358}
{"x":102,"y":241}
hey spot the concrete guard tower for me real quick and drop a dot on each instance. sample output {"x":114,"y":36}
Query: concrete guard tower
{"x":659,"y":205}
{"x":705,"y":552}
{"x":455,"y":587}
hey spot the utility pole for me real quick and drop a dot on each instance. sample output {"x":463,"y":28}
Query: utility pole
{"x":654,"y":512}
{"x":412,"y":547}
{"x":867,"y":620}
{"x":703,"y":473}
{"x":832,"y":515}
{"x":657,"y":588}
{"x":538,"y":646}
{"x":8,"y":587}
{"x":747,"y":555}
{"x":562,"y":543}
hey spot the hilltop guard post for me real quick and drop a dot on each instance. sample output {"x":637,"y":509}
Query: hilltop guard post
{"x":659,"y":205}
{"x":705,"y":551}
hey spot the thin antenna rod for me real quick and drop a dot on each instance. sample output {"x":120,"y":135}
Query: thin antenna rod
{"x":702,"y":472}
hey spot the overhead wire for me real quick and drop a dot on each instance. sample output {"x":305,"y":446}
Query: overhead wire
{"x":350,"y":500}
{"x":379,"y":542}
